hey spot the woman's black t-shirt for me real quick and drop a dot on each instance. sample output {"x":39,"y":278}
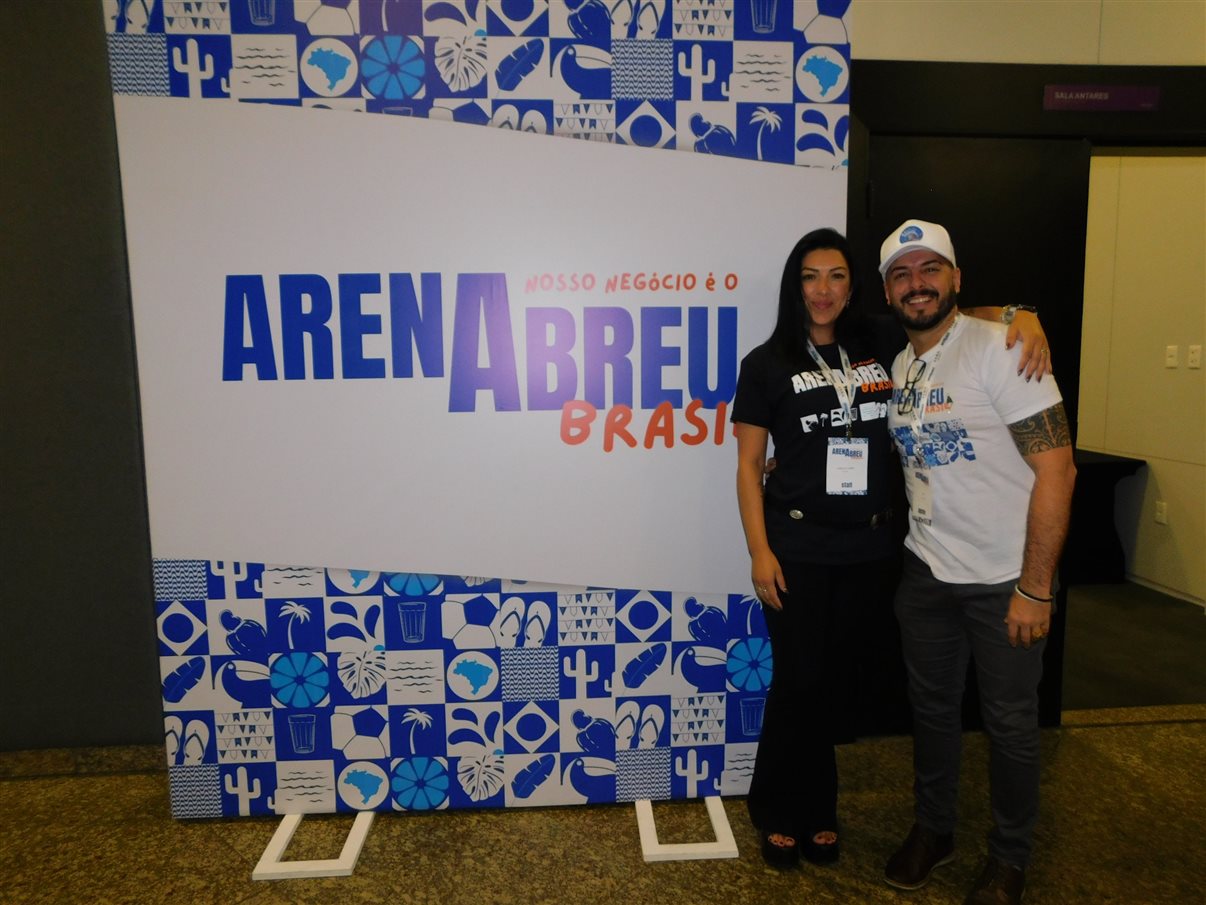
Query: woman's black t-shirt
{"x":801,"y":410}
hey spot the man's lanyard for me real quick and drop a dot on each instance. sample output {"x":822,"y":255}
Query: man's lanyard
{"x":845,"y":385}
{"x":923,"y":391}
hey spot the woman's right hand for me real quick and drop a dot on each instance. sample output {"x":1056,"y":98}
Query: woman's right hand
{"x":768,"y":579}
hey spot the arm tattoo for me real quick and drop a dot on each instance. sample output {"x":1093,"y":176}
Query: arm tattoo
{"x":1040,"y":432}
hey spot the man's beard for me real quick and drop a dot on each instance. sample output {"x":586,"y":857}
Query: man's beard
{"x":926,"y":321}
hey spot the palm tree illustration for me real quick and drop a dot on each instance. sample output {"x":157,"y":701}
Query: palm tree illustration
{"x":296,"y":612}
{"x":416,"y":718}
{"x":763,"y":117}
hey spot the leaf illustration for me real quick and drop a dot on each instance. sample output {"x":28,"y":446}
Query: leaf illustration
{"x":814,"y":140}
{"x":840,"y":131}
{"x":518,"y":64}
{"x":471,"y":8}
{"x":363,"y":673}
{"x":481,"y":777}
{"x":531,"y":777}
{"x":464,"y":735}
{"x":465,"y":714}
{"x":345,"y":630}
{"x":643,"y":665}
{"x":461,"y":61}
{"x":444,"y":11}
{"x":183,"y":678}
{"x":492,"y":721}
{"x":370,"y":618}
{"x":343,"y":608}
{"x":816,"y":118}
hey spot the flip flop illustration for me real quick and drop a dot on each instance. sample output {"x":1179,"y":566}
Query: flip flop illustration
{"x":506,"y":117}
{"x":534,"y":121}
{"x":510,"y":622}
{"x":196,"y":740}
{"x":536,"y":626}
{"x":627,"y":715}
{"x":653,"y":719}
{"x":173,"y":729}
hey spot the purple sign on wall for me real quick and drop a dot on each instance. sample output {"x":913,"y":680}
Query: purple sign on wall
{"x":1114,"y":98}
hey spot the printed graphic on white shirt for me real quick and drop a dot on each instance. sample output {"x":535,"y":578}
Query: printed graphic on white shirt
{"x":938,"y":443}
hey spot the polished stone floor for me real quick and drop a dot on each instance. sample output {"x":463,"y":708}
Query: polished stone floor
{"x":1123,"y":820}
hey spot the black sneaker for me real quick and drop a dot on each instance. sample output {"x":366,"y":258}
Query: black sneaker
{"x":999,"y":884}
{"x":910,"y":867}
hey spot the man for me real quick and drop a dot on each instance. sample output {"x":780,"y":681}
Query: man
{"x":989,"y":473}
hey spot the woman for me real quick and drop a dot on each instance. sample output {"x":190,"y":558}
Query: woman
{"x":822,"y":540}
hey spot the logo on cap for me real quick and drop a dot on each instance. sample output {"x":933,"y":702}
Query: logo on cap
{"x":910,"y":234}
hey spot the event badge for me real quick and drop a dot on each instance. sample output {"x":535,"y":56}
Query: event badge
{"x":921,"y":498}
{"x":846,"y":466}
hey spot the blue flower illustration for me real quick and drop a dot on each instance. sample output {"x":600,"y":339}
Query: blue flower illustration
{"x":393,"y":67}
{"x":749,"y":664}
{"x":413,"y":584}
{"x":299,"y":679}
{"x":420,"y":783}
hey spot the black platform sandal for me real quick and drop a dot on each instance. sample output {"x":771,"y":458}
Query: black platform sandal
{"x":783,"y":853}
{"x":821,"y":852}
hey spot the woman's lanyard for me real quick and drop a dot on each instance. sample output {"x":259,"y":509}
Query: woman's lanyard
{"x":845,"y":385}
{"x":923,"y":391}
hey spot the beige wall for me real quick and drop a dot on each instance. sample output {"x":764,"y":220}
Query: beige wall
{"x":1093,"y":32}
{"x":1145,"y":289}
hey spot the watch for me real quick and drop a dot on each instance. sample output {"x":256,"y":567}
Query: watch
{"x":1009,"y":311}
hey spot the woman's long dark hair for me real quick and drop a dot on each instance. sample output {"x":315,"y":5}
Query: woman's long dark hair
{"x":790,"y":337}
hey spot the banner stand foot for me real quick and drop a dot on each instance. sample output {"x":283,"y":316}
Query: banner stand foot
{"x":725,"y":845}
{"x":271,"y":867}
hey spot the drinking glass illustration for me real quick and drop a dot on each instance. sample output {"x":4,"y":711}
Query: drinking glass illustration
{"x":301,"y":732}
{"x":414,"y":620}
{"x":263,"y":12}
{"x":764,"y":15}
{"x":751,"y":715}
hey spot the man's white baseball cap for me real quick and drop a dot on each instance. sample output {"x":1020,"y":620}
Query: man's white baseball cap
{"x":913,"y":235}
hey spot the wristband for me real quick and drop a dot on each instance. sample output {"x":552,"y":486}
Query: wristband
{"x":1018,"y":590}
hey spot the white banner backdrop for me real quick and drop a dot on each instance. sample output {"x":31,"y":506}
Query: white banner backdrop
{"x":277,"y":261}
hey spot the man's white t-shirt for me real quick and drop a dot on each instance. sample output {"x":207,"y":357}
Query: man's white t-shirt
{"x":974,"y":531}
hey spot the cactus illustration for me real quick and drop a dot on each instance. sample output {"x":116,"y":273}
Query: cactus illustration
{"x":247,"y":793}
{"x":689,"y":770}
{"x":698,"y":72}
{"x":580,"y":672}
{"x":191,"y":66}
{"x":231,"y":573}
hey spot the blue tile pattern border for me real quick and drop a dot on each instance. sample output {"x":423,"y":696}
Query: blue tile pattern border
{"x":295,"y":690}
{"x":742,"y":78}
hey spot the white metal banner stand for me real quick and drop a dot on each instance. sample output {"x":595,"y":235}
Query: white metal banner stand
{"x":725,"y":845}
{"x":271,"y":867}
